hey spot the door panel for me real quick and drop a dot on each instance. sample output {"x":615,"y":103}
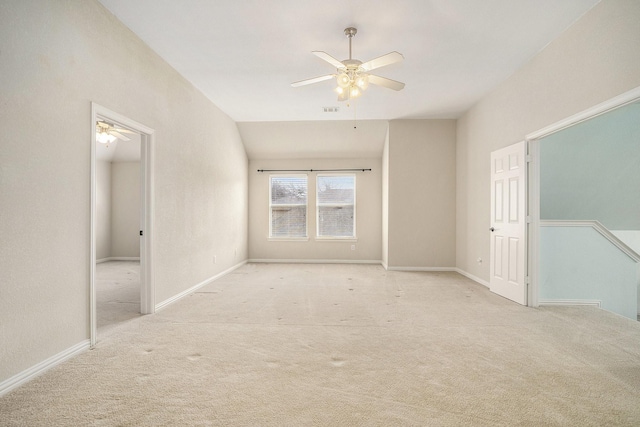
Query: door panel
{"x":508,"y":222}
{"x":498,"y":201}
{"x":497,"y":259}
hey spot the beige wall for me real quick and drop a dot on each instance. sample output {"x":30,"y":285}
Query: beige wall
{"x":125,"y":209}
{"x":117,"y":209}
{"x":368,"y":213}
{"x":385,"y":201}
{"x":594,"y":60}
{"x":103,"y":210}
{"x":422,"y":182}
{"x":53,"y":64}
{"x":326,"y":139}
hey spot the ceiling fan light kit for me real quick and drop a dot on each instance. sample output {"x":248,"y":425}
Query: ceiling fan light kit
{"x":353,"y":76}
{"x":105,"y":138}
{"x":107,"y":134}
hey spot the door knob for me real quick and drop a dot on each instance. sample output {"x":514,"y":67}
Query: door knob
{"x":492,"y":229}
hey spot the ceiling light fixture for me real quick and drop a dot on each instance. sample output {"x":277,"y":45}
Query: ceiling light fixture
{"x":104,"y":138}
{"x":106,"y":133}
{"x":353,"y":76}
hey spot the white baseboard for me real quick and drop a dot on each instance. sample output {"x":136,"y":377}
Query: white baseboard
{"x":17,"y":380}
{"x":592,"y":303}
{"x":316,"y":261}
{"x":390,"y":268}
{"x":192,"y":289}
{"x":472,"y":277}
{"x":117,"y":258}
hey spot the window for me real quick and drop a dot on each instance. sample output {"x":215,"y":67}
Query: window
{"x":336,"y":206}
{"x":288,"y":206}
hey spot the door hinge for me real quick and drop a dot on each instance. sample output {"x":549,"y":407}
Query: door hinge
{"x":528,"y":219}
{"x":528,"y":158}
{"x":141,"y":232}
{"x":526,"y":280}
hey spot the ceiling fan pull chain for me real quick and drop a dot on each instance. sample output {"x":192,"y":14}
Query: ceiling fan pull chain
{"x":354,"y":114}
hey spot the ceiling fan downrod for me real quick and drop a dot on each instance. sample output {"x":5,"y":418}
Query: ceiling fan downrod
{"x":350,"y":32}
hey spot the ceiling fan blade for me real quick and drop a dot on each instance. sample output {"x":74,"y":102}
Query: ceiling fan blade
{"x":119,"y":135}
{"x":330,"y":59}
{"x":313,"y":80}
{"x":122,"y":130}
{"x":385,"y":82}
{"x":382,"y":61}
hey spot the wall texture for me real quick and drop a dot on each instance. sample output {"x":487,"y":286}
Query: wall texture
{"x":594,"y":60}
{"x":125,"y":209}
{"x":577,"y":263}
{"x":591,"y":170}
{"x":385,"y":201}
{"x":53,"y":64}
{"x":368,"y":213}
{"x":103,"y":210}
{"x":422,"y":183}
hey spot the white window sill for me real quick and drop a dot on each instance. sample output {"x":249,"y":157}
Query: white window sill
{"x":288,"y":239}
{"x":336,"y":239}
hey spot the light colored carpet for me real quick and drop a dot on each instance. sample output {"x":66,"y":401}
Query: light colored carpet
{"x":117,"y":294}
{"x":346,"y":345}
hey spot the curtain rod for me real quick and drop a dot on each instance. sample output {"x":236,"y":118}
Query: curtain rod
{"x":314,"y":170}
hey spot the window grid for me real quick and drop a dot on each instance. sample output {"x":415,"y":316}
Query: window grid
{"x":336,"y":206}
{"x":288,"y":206}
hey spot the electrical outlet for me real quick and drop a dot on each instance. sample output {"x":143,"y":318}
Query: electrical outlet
{"x":479,"y":260}
{"x":353,"y":247}
{"x":214,"y":259}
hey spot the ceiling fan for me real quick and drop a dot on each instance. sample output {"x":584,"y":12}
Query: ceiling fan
{"x":107,"y":133}
{"x":353,"y":75}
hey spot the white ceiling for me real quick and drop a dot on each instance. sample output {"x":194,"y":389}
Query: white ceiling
{"x":120,"y":151}
{"x":243,"y":54}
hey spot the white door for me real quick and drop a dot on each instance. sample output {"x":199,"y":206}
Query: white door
{"x":508,"y":222}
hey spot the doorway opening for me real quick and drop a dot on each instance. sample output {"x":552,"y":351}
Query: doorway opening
{"x":130,"y":267}
{"x":553,"y":227}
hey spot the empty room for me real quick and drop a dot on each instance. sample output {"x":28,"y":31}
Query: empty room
{"x":319,"y":213}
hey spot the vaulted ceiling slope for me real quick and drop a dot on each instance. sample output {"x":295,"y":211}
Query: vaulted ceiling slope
{"x":314,"y":139}
{"x":243,"y":55}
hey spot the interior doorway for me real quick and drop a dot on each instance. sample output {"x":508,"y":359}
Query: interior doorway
{"x":117,"y":293}
{"x":118,"y":207}
{"x":534,"y":191}
{"x":140,"y":242}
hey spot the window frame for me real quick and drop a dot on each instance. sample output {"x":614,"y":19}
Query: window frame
{"x":354,"y":237}
{"x":271,"y":205}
